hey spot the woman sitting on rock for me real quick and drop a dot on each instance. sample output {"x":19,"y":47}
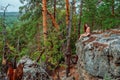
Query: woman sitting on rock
{"x":86,"y":31}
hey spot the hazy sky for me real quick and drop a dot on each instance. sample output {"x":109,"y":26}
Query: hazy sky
{"x":14,"y":5}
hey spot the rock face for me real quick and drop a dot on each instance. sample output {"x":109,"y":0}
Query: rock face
{"x":99,"y":56}
{"x":32,"y":70}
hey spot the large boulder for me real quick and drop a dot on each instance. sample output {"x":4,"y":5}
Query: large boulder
{"x":99,"y":56}
{"x":32,"y":70}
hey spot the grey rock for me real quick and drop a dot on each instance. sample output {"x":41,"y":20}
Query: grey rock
{"x":32,"y":70}
{"x":100,"y":56}
{"x":68,"y":78}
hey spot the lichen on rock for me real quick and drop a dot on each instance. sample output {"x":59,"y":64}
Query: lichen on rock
{"x":32,"y":70}
{"x":99,"y":55}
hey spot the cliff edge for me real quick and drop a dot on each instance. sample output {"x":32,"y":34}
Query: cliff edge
{"x":99,"y":56}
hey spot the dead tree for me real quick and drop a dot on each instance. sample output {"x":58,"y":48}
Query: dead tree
{"x":80,"y":15}
{"x":5,"y":46}
{"x":68,"y":35}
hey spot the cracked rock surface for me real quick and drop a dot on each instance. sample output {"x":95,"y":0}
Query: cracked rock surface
{"x":33,"y":70}
{"x":99,"y":55}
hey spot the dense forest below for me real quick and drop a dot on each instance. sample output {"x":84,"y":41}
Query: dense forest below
{"x":11,"y":17}
{"x":47,"y":30}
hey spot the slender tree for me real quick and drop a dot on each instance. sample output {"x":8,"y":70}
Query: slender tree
{"x":68,"y":38}
{"x":5,"y":45}
{"x":113,"y":11}
{"x":67,"y":13}
{"x":44,"y":13}
{"x":74,"y":6}
{"x":38,"y":29}
{"x":38,"y":37}
{"x":67,"y":53}
{"x":74,"y":12}
{"x":80,"y":15}
{"x":54,"y":9}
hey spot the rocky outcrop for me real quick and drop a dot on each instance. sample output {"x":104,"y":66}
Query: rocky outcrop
{"x":32,"y":70}
{"x":99,"y":56}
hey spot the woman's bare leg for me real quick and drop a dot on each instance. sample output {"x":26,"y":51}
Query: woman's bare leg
{"x":82,"y":35}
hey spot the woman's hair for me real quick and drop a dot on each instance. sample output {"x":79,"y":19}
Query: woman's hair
{"x":85,"y":27}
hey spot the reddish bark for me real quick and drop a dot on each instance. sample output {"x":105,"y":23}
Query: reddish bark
{"x":15,"y":74}
{"x":53,"y":21}
{"x":67,"y":13}
{"x":44,"y":13}
{"x":10,"y":72}
{"x":19,"y":72}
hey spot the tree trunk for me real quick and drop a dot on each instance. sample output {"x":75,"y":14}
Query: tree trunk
{"x":113,"y":12}
{"x":67,"y":54}
{"x":53,"y":21}
{"x":44,"y":13}
{"x":54,"y":9}
{"x":79,"y":23}
{"x":4,"y":36}
{"x":74,"y":8}
{"x":74,"y":12}
{"x":67,"y":13}
{"x":68,"y":48}
{"x":38,"y":30}
{"x":38,"y":37}
{"x":5,"y":46}
{"x":68,"y":28}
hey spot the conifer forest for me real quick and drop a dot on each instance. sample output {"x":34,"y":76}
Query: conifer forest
{"x":43,"y":35}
